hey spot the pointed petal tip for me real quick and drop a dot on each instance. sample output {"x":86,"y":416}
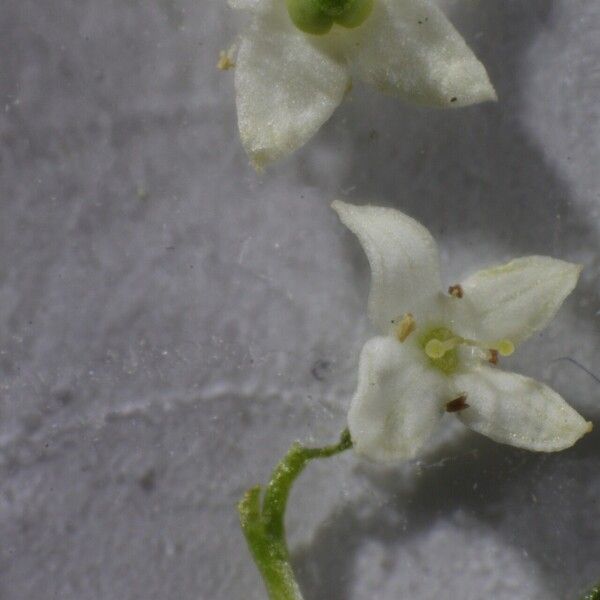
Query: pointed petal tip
{"x":488,"y":91}
{"x":346,"y":211}
{"x":576,"y":433}
{"x":492,"y":95}
{"x":572,"y":274}
{"x":575,"y":268}
{"x":258,"y":161}
{"x":337,"y":204}
{"x":477,"y":90}
{"x":341,"y":208}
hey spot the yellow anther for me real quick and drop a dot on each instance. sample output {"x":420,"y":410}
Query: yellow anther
{"x":505,"y":347}
{"x":227,"y":58}
{"x":405,"y":326}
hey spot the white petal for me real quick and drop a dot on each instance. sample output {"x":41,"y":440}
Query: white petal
{"x":287,"y":86}
{"x":398,"y":401}
{"x":405,"y":271}
{"x":516,"y":410}
{"x":515,"y":300}
{"x":409,"y":48}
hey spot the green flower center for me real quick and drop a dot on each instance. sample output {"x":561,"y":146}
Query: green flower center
{"x":440,"y":347}
{"x":318,"y":16}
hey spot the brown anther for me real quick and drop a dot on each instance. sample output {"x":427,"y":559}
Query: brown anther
{"x":456,"y":290}
{"x":493,"y":357}
{"x":457,"y":404}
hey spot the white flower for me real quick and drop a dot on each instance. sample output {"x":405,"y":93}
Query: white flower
{"x":435,"y":352}
{"x":288,"y":83}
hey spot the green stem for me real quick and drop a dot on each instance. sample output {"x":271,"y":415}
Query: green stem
{"x":263,"y":523}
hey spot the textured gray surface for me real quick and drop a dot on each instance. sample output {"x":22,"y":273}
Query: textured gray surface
{"x":170,"y":322}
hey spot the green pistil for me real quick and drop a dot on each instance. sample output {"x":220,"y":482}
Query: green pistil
{"x":333,"y":8}
{"x":448,"y":361}
{"x":318,"y":16}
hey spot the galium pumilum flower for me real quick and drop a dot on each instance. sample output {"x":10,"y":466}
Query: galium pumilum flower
{"x":296,"y":61}
{"x":438,"y":352}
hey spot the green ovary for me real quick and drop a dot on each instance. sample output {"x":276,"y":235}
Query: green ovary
{"x":441,"y":352}
{"x":318,"y":16}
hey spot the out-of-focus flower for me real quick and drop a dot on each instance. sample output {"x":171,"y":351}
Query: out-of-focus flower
{"x":289,"y":81}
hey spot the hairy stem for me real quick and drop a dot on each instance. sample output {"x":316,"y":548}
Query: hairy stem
{"x":263,"y":522}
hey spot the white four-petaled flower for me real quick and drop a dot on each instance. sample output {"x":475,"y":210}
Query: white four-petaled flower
{"x":435,"y":350}
{"x":288,"y":83}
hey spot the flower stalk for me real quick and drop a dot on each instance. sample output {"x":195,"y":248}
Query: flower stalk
{"x":263,"y":519}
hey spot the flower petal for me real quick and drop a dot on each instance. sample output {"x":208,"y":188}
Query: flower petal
{"x":398,"y":401}
{"x":516,"y":410}
{"x":287,"y":86}
{"x":405,"y":271}
{"x":410,"y":49}
{"x":515,"y":300}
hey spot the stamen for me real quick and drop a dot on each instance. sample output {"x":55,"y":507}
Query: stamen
{"x":501,"y":347}
{"x":505,"y":347}
{"x":227,"y":58}
{"x":441,"y":347}
{"x":456,"y":290}
{"x":457,"y":404}
{"x":405,"y":327}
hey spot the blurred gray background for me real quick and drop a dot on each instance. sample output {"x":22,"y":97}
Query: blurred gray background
{"x":170,"y":321}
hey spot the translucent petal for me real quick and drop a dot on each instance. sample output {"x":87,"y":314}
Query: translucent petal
{"x":398,"y":401}
{"x":405,"y":272}
{"x":410,"y":49}
{"x":287,"y":86}
{"x":516,"y":410}
{"x":514,"y":300}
